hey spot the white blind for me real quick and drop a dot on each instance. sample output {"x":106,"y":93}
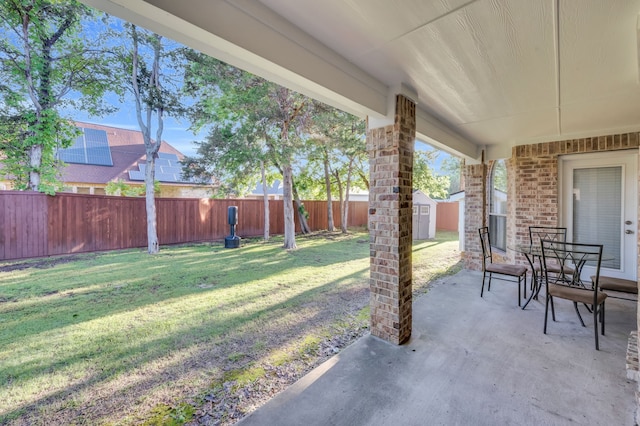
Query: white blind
{"x":597,"y":209}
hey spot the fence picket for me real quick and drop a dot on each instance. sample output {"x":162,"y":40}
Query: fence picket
{"x":33,"y":224}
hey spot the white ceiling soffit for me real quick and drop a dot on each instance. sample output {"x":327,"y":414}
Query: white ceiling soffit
{"x":488,"y":74}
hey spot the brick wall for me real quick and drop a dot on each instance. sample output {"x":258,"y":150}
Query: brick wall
{"x":532,"y":189}
{"x":474,"y":215}
{"x":390,"y":222}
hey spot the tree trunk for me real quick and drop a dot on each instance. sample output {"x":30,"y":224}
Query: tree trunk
{"x":327,"y":183}
{"x":151,"y":147}
{"x":336,"y":174}
{"x":265,"y":194}
{"x":289,"y":223}
{"x":304,"y":225}
{"x":35,"y":160}
{"x":345,"y":207}
{"x":152,"y":234}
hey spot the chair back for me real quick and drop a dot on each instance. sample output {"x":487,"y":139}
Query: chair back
{"x":485,"y":242}
{"x":549,"y":233}
{"x":576,"y":254}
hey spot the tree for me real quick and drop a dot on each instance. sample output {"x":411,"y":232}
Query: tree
{"x":452,"y":167}
{"x":269,"y":118}
{"x":121,"y":188}
{"x":423,"y":177}
{"x":337,"y":152}
{"x":46,"y":64}
{"x":146,"y":66}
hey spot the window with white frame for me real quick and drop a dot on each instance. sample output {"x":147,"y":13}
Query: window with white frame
{"x":498,"y":206}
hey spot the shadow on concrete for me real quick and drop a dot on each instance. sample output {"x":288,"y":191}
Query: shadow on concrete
{"x":472,"y":360}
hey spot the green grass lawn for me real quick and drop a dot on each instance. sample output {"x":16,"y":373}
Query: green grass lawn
{"x":108,"y":338}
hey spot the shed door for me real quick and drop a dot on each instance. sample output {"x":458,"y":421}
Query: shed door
{"x":421,"y":221}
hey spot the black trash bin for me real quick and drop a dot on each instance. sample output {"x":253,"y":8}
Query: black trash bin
{"x":232,"y":241}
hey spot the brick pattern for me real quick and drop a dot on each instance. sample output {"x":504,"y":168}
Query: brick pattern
{"x":532,"y":200}
{"x":475,"y":205}
{"x":390,"y":220}
{"x":532,"y":193}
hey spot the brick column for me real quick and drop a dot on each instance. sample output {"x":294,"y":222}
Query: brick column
{"x":474,"y":216}
{"x":390,"y":223}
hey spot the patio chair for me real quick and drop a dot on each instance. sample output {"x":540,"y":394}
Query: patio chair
{"x":502,"y":270}
{"x":619,"y":288}
{"x":538,"y":233}
{"x":575,"y":290}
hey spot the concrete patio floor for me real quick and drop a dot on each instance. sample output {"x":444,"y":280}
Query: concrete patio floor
{"x":472,"y":360}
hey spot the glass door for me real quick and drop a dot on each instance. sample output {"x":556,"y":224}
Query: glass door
{"x":599,"y":198}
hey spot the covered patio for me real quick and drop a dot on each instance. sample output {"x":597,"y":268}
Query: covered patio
{"x":542,"y":86}
{"x":471,"y":360}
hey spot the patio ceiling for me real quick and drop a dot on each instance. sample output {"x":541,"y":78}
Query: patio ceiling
{"x":486,"y":74}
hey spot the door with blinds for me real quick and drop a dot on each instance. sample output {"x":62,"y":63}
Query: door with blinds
{"x":599,"y":204}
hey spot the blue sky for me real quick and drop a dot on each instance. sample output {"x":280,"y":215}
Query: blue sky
{"x":175,"y":132}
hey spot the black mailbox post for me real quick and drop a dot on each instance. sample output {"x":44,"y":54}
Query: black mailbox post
{"x":232,"y":241}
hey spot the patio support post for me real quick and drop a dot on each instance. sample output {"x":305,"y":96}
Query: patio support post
{"x":390,"y":223}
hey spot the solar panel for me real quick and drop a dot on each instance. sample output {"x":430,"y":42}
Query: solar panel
{"x":90,"y":147}
{"x":168,"y":169}
{"x":168,"y":156}
{"x":136,"y":175}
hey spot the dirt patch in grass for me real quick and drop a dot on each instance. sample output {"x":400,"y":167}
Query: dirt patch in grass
{"x":263,"y":374}
{"x":45,"y":262}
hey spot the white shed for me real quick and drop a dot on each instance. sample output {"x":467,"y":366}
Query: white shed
{"x":424,"y":216}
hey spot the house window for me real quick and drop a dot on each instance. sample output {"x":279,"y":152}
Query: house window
{"x":498,"y":206}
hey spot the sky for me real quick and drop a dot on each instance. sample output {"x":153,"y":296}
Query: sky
{"x":178,"y":135}
{"x":175,"y":132}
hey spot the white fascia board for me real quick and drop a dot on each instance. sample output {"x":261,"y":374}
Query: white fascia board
{"x":431,"y":130}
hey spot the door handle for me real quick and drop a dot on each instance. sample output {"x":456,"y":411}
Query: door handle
{"x":628,"y":231}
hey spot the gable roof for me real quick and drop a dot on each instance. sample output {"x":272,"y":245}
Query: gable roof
{"x":127,"y":152}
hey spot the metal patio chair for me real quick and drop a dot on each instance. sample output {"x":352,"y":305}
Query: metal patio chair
{"x":550,"y":233}
{"x":576,"y":291}
{"x":503,"y":270}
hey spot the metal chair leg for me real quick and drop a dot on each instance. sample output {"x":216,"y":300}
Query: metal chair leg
{"x":484,"y":275}
{"x":575,"y":305}
{"x":519,"y":279}
{"x":546,"y":312}
{"x":595,"y":326}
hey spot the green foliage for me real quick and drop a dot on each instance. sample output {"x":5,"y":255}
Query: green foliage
{"x":256,"y":123}
{"x":423,"y":177}
{"x":229,"y":156}
{"x":44,"y":59}
{"x":124,"y":189}
{"x":452,"y":167}
{"x":499,"y":176}
{"x":148,"y":68}
{"x":163,"y":415}
{"x":338,"y":139}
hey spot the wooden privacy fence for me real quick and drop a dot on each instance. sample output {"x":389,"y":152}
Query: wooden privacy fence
{"x":447,"y":214}
{"x":35,"y":225}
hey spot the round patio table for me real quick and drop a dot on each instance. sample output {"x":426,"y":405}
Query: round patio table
{"x":533,"y":251}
